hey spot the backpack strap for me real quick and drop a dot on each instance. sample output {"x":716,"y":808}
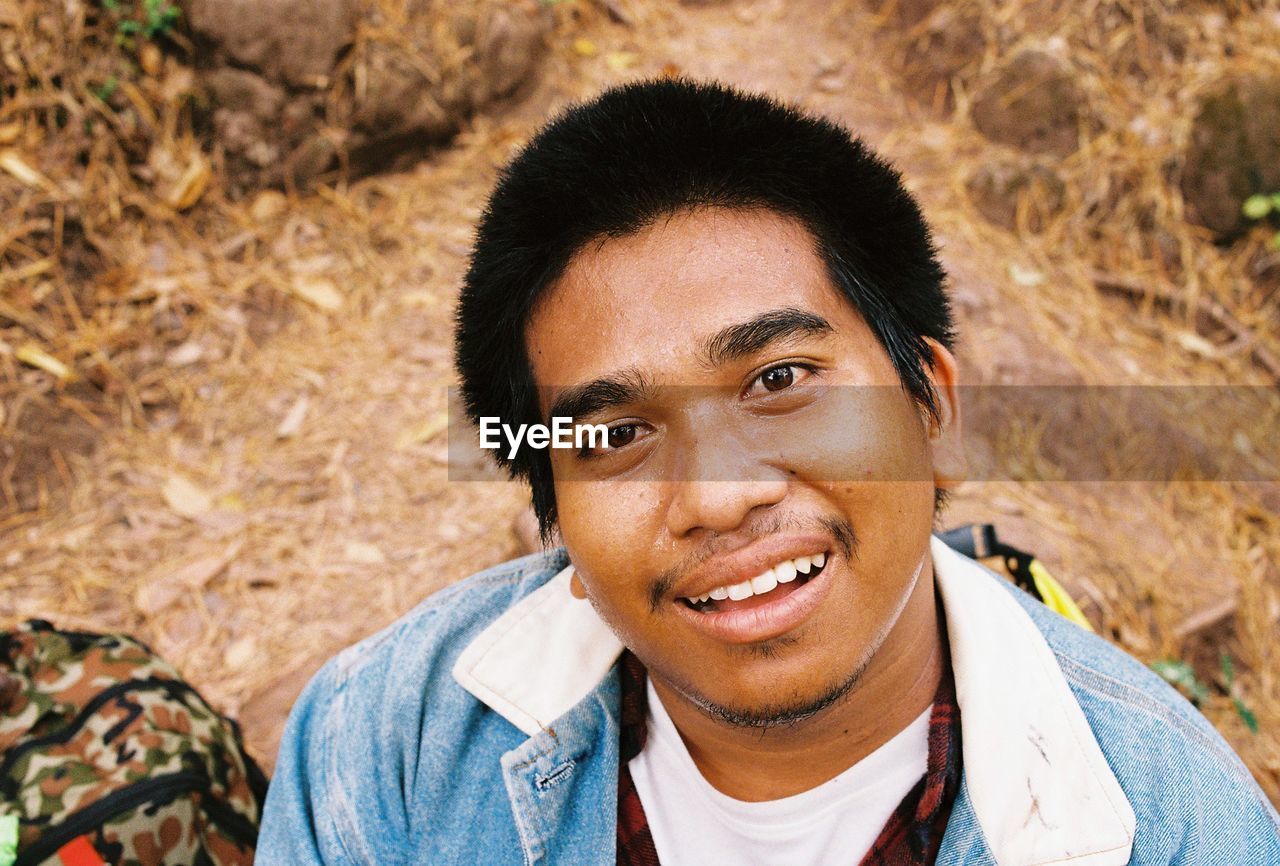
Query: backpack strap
{"x":979,"y":541}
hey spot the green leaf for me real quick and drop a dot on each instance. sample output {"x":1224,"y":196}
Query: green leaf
{"x":107,"y":88}
{"x":1246,"y":714}
{"x":1182,"y":676}
{"x":1275,"y":201}
{"x":1257,"y":206}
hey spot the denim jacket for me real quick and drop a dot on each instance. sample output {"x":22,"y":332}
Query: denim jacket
{"x":482,"y":728}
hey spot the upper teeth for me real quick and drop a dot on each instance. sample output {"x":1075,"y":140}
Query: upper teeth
{"x":783,"y":572}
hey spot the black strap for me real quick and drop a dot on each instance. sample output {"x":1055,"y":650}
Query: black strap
{"x":979,"y":541}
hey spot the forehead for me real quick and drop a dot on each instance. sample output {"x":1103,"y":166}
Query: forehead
{"x":649,"y":300}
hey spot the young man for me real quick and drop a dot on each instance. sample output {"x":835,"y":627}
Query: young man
{"x":750,"y":649}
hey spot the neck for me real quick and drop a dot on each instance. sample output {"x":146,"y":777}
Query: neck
{"x":898,"y":684}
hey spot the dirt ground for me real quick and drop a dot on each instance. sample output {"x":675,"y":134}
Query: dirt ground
{"x":298,"y":498}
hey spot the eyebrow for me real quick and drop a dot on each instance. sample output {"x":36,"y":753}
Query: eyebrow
{"x":589,"y":398}
{"x":745,"y":339}
{"x":729,"y":344}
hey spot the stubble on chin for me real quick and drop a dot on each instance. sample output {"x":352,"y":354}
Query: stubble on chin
{"x":789,"y":713}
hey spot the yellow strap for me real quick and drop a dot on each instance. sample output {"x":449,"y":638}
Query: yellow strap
{"x":1055,"y":597}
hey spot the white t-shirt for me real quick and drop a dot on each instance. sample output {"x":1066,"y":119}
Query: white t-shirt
{"x":837,"y":822}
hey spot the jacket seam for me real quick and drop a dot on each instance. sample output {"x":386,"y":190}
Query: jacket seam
{"x":330,"y":772}
{"x":1225,"y":761}
{"x":348,"y":669}
{"x":1125,"y":693}
{"x":346,"y":804}
{"x":346,"y":674}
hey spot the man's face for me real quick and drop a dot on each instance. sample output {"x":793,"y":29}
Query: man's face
{"x":759,"y":431}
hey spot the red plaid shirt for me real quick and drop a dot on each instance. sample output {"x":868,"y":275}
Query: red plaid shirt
{"x":913,"y":833}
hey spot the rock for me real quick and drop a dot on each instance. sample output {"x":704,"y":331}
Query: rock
{"x":244,"y":91}
{"x":508,"y":48}
{"x":1233,"y":152}
{"x":246,"y":113}
{"x":996,"y":187}
{"x":288,"y":110}
{"x":294,"y":41}
{"x":909,"y":13}
{"x":939,"y":49}
{"x":1033,"y":104}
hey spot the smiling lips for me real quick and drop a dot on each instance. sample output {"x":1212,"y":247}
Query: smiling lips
{"x":761,"y":587}
{"x":767,"y":606}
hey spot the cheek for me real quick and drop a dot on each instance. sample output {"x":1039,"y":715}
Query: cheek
{"x":607,"y":527}
{"x":601,"y":510}
{"x":855,"y":434}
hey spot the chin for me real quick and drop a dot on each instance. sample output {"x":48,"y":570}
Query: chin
{"x":783,"y":691}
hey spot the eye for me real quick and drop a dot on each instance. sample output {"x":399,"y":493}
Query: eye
{"x":623,"y":434}
{"x":779,"y":378}
{"x":618,"y":436}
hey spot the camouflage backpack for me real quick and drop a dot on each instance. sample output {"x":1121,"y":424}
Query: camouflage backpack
{"x":107,"y":756}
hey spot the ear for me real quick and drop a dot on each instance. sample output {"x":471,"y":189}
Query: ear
{"x":949,"y":463}
{"x":575,"y":586}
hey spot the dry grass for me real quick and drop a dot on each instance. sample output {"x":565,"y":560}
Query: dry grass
{"x":1114,"y":286}
{"x":294,"y":353}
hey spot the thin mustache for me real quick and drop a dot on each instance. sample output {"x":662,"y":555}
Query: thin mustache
{"x":840,"y":529}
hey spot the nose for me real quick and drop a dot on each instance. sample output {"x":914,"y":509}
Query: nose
{"x":721,"y":485}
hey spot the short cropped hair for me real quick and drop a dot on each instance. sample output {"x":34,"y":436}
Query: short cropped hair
{"x":637,"y":153}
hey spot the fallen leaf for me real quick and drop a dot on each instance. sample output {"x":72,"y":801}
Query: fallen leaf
{"x":1025,"y":276}
{"x":170,"y":582}
{"x":194,"y":181}
{"x":197,"y":573}
{"x":268,"y":205}
{"x":150,"y":59}
{"x":14,"y":164}
{"x":419,"y":298}
{"x":241,"y":652}
{"x":231,"y":502}
{"x":312,"y":265}
{"x":184,"y":497}
{"x":424,"y":432}
{"x":293,"y":419}
{"x":318,"y":291}
{"x":30,"y":353}
{"x":1196,"y":345}
{"x":584,"y":46}
{"x":620,"y":61}
{"x":9,"y":132}
{"x":364,"y":553}
{"x":72,"y":541}
{"x":188,"y":353}
{"x":223,"y":522}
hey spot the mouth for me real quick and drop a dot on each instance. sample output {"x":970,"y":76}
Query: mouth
{"x":763,"y":608}
{"x":773,"y":584}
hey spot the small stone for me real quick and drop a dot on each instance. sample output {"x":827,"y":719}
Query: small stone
{"x":997,"y":186}
{"x":1233,"y":152}
{"x":1033,"y":104}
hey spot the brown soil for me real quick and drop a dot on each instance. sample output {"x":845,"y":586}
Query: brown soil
{"x":295,"y":498}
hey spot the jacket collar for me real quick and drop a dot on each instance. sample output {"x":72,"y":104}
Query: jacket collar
{"x":1040,"y":787}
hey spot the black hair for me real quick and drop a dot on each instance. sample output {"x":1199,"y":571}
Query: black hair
{"x":645,"y":150}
